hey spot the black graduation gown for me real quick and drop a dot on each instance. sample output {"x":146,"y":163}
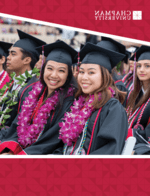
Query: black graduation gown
{"x":15,"y":108}
{"x":120,"y":85}
{"x":142,"y":136}
{"x":110,"y":131}
{"x":47,"y":142}
{"x":118,"y":81}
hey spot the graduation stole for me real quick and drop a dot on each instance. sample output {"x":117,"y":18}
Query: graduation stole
{"x":9,"y":98}
{"x":74,"y":121}
{"x":132,"y":116}
{"x":3,"y":77}
{"x":33,"y":116}
{"x":127,"y":77}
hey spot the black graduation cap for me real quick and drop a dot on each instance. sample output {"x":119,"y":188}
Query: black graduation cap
{"x":94,"y":54}
{"x":4,"y":47}
{"x":81,"y":46}
{"x":143,"y":53}
{"x":28,"y":43}
{"x":128,"y":55}
{"x":111,"y":44}
{"x":60,"y":52}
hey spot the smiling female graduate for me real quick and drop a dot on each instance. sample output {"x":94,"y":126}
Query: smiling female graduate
{"x":97,"y":122}
{"x":138,"y":104}
{"x":36,"y":129}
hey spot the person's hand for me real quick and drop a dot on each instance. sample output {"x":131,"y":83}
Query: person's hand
{"x":39,"y":63}
{"x":75,"y":71}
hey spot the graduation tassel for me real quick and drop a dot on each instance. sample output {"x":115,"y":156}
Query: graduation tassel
{"x":134,"y":70}
{"x":78,"y":61}
{"x":42,"y":59}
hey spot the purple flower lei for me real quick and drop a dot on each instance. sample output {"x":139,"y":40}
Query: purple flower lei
{"x":75,"y":120}
{"x":27,"y":132}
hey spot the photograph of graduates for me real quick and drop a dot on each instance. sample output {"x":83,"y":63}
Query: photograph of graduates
{"x":81,"y":94}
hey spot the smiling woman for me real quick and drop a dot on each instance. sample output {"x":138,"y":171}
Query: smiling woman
{"x":55,"y":75}
{"x":97,"y":122}
{"x":35,"y":130}
{"x":138,"y":102}
{"x":89,"y":77}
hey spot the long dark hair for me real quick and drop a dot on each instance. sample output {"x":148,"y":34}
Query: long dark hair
{"x":107,"y":81}
{"x":132,"y":103}
{"x":69,"y":82}
{"x":4,"y":64}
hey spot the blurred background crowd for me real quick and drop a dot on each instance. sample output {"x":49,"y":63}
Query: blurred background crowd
{"x":49,"y":34}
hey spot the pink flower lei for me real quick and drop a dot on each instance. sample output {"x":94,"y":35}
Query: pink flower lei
{"x":27,"y":132}
{"x":74,"y":121}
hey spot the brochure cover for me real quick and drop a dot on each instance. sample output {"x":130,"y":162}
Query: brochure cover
{"x":126,"y":21}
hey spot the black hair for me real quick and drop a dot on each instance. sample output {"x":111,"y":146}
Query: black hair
{"x":28,"y":54}
{"x":69,"y":82}
{"x":4,"y":64}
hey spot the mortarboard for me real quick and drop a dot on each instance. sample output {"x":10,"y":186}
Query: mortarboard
{"x":4,"y":46}
{"x":143,"y":53}
{"x":128,"y":55}
{"x":60,"y":52}
{"x":28,"y":43}
{"x":111,"y":44}
{"x":94,"y":54}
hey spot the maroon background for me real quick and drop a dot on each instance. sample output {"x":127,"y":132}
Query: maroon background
{"x":82,"y":177}
{"x":86,"y":177}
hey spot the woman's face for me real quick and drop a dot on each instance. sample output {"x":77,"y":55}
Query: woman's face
{"x":55,"y":75}
{"x":143,"y":70}
{"x":89,"y":78}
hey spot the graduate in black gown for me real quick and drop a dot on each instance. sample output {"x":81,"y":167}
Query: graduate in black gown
{"x":4,"y":77}
{"x":97,"y":123}
{"x":113,"y":45}
{"x":35,"y":130}
{"x":22,"y":57}
{"x":138,"y":103}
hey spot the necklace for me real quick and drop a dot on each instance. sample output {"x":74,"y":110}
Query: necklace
{"x":5,"y":96}
{"x":75,"y":120}
{"x":33,"y":116}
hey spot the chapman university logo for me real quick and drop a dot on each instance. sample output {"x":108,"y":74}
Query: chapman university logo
{"x":118,"y":15}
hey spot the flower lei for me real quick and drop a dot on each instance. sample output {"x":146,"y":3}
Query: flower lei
{"x":28,"y":132}
{"x":9,"y":98}
{"x":74,"y":121}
